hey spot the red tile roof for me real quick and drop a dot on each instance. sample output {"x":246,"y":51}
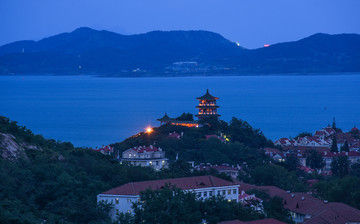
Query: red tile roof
{"x":273,"y":150}
{"x":303,"y":203}
{"x":265,"y":221}
{"x":232,"y":222}
{"x":141,"y":149}
{"x":185,"y":183}
{"x":331,"y":154}
{"x":261,"y":221}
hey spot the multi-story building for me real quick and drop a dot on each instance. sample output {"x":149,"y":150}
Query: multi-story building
{"x":204,"y":187}
{"x":150,"y":156}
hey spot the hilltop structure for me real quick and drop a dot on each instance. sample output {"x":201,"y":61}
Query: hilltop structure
{"x":207,"y":106}
{"x":207,"y":109}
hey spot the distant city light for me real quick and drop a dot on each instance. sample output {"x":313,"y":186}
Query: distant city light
{"x":266,"y":45}
{"x":237,"y":44}
{"x":149,"y":130}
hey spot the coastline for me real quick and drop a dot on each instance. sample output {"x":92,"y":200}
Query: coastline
{"x":174,"y":75}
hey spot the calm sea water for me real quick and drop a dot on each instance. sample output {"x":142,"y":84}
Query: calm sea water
{"x":91,"y":111}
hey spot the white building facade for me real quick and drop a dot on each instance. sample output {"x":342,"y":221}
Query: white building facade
{"x":204,"y":187}
{"x":146,"y":156}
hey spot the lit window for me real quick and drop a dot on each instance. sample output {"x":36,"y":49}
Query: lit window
{"x":229,"y":191}
{"x":129,"y":155}
{"x":117,"y":200}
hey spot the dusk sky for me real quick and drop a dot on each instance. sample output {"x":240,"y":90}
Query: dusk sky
{"x":252,"y":23}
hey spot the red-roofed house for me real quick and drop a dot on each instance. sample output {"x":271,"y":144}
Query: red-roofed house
{"x":285,"y":142}
{"x":175,"y":135}
{"x":123,"y":196}
{"x":252,"y":200}
{"x":354,"y":157}
{"x":224,"y":168}
{"x":106,"y":150}
{"x":304,"y":208}
{"x":146,"y":156}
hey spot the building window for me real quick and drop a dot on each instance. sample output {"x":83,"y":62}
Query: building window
{"x":229,"y":191}
{"x":157,"y":163}
{"x":116,"y":200}
{"x":210,"y":193}
{"x":199,"y":194}
{"x":205,"y":194}
{"x":218,"y":192}
{"x":128,"y":200}
{"x":234,"y":191}
{"x":223,"y":192}
{"x":117,"y":211}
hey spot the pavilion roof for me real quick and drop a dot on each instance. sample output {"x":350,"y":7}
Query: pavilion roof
{"x":165,"y":118}
{"x":207,"y":96}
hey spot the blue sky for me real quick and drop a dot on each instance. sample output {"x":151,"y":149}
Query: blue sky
{"x":252,"y":23}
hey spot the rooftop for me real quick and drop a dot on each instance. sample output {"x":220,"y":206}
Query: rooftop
{"x":261,"y":221}
{"x":185,"y":183}
{"x":207,"y":96}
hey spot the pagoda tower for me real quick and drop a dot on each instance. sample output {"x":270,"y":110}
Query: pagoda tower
{"x":207,"y":106}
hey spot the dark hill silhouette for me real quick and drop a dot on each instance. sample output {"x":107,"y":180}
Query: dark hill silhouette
{"x":89,"y":51}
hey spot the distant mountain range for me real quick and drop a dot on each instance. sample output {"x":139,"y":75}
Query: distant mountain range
{"x":88,"y":51}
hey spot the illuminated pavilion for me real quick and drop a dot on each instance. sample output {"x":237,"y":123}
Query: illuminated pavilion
{"x":207,"y":108}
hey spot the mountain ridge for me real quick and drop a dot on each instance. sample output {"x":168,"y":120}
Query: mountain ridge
{"x":89,"y":51}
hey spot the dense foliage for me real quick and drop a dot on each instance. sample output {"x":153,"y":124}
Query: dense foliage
{"x":272,"y":174}
{"x":243,"y":146}
{"x":344,"y":190}
{"x":58,"y":183}
{"x":273,"y":206}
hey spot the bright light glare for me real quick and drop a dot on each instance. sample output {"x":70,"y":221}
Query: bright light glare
{"x":149,"y":130}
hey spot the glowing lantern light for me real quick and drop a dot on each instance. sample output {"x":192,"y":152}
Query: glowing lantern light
{"x":266,"y":45}
{"x":149,"y":130}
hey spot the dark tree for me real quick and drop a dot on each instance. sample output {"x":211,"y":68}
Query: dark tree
{"x":167,"y":205}
{"x":185,"y":117}
{"x":345,"y":147}
{"x":340,"y":166}
{"x":314,"y":159}
{"x":334,"y":124}
{"x":334,"y":147}
{"x":291,"y":162}
{"x":355,"y":170}
{"x":303,"y":134}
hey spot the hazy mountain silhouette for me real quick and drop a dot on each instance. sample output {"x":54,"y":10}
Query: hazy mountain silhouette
{"x":90,"y":51}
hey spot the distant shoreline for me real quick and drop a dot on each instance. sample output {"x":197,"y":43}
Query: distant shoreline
{"x":158,"y":75}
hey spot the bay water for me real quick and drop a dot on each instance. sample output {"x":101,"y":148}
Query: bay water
{"x":92,"y":111}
